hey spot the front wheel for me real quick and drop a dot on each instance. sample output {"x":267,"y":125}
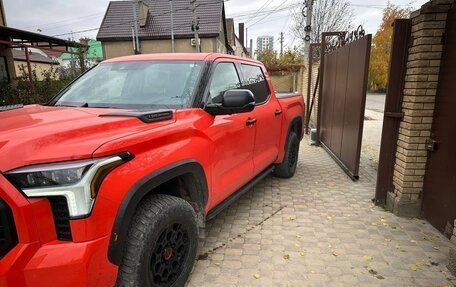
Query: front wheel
{"x":161,"y":245}
{"x":287,"y":168}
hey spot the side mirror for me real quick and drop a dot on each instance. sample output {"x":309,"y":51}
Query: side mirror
{"x":233,"y":102}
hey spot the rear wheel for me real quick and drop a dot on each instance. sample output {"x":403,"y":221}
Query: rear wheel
{"x":287,"y":168}
{"x":161,"y":245}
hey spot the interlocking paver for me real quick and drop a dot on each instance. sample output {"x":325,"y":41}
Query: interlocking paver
{"x":319,"y":228}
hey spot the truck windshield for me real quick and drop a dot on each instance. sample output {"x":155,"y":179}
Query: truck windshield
{"x":134,"y":85}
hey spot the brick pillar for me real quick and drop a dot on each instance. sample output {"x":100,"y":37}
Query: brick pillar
{"x":423,"y":66}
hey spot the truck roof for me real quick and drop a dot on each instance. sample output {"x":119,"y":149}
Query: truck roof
{"x":178,"y":57}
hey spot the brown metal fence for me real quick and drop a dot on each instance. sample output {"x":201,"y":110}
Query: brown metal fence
{"x":393,"y":108}
{"x":341,"y":86}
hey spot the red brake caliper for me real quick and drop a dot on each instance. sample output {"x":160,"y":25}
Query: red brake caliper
{"x":168,"y":253}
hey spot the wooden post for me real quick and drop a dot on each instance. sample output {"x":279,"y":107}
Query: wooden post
{"x":29,"y":69}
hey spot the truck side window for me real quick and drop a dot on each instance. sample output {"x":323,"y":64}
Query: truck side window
{"x":224,"y":78}
{"x":255,"y":81}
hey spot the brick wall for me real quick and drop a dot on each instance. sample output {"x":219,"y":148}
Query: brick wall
{"x":423,"y":66}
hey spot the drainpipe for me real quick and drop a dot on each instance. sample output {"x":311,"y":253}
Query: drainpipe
{"x":173,"y":49}
{"x":135,"y":19}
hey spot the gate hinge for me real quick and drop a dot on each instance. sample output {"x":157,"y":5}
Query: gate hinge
{"x":431,"y":144}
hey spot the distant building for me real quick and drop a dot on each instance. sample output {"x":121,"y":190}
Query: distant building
{"x":40,"y":64}
{"x":236,"y":43}
{"x":92,"y":56}
{"x":265,"y":43}
{"x":116,"y":32}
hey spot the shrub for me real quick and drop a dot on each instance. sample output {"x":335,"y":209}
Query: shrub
{"x":20,"y":90}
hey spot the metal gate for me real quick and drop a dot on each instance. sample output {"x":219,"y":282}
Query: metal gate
{"x":393,"y":108}
{"x":439,"y":197}
{"x":342,"y":97}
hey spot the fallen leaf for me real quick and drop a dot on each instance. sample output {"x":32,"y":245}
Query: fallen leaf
{"x":419,"y":264}
{"x":413,"y":241}
{"x":257,"y":276}
{"x":297,"y":245}
{"x":374,"y":223}
{"x":329,"y":217}
{"x":302,"y":253}
{"x":383,"y":220}
{"x":331,"y":185}
{"x":286,"y":256}
{"x":329,"y":245}
{"x":367,"y":257}
{"x":413,"y":267}
{"x":290,"y":218}
{"x":335,"y":253}
{"x":298,"y":236}
{"x":387,"y":239}
{"x":436,"y":248}
{"x":311,"y":271}
{"x":372,"y":271}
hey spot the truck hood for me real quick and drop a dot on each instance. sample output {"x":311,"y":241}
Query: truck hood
{"x":41,"y":134}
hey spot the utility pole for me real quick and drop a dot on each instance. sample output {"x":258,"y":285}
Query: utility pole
{"x":281,"y":44}
{"x":308,"y":4}
{"x":135,"y":19}
{"x":173,"y":49}
{"x":195,"y":26}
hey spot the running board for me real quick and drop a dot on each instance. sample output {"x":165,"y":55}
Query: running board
{"x":235,"y":196}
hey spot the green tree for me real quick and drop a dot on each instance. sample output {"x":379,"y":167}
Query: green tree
{"x":291,"y":57}
{"x":268,"y":58}
{"x":380,"y":53}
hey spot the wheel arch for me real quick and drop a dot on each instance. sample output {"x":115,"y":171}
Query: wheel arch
{"x":198,"y":195}
{"x":296,"y":126}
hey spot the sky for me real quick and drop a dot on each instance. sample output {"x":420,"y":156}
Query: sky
{"x":61,"y":18}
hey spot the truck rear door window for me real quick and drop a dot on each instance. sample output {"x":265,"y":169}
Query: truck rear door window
{"x":255,"y":81}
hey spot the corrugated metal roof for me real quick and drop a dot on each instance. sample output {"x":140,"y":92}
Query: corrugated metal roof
{"x":118,"y":21}
{"x":19,"y":55}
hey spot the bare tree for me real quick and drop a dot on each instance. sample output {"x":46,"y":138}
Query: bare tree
{"x":328,"y":15}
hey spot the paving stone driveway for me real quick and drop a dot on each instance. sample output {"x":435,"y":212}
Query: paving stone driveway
{"x":318,"y":229}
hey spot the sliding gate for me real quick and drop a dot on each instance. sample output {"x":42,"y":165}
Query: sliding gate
{"x":342,"y":97}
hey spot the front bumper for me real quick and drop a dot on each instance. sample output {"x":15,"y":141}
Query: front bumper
{"x":58,"y":264}
{"x":37,"y":258}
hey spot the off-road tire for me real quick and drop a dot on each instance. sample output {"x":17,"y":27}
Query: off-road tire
{"x":287,"y":168}
{"x":155,"y":219}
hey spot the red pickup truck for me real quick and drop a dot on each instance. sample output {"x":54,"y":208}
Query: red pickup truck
{"x":112,"y":180}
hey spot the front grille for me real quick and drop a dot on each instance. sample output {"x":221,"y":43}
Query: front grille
{"x":61,"y":217}
{"x":8,"y":235}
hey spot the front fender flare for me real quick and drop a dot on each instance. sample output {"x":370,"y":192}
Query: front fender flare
{"x":141,"y":189}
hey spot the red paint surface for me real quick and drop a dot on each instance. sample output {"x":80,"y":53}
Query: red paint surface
{"x":230,"y":152}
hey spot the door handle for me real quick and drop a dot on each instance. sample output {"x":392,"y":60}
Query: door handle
{"x":278,"y":113}
{"x":250,"y":122}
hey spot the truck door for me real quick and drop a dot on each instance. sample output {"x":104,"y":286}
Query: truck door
{"x":268,"y":117}
{"x":233,"y":137}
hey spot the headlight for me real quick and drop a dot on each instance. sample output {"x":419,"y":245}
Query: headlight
{"x":78,"y":181}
